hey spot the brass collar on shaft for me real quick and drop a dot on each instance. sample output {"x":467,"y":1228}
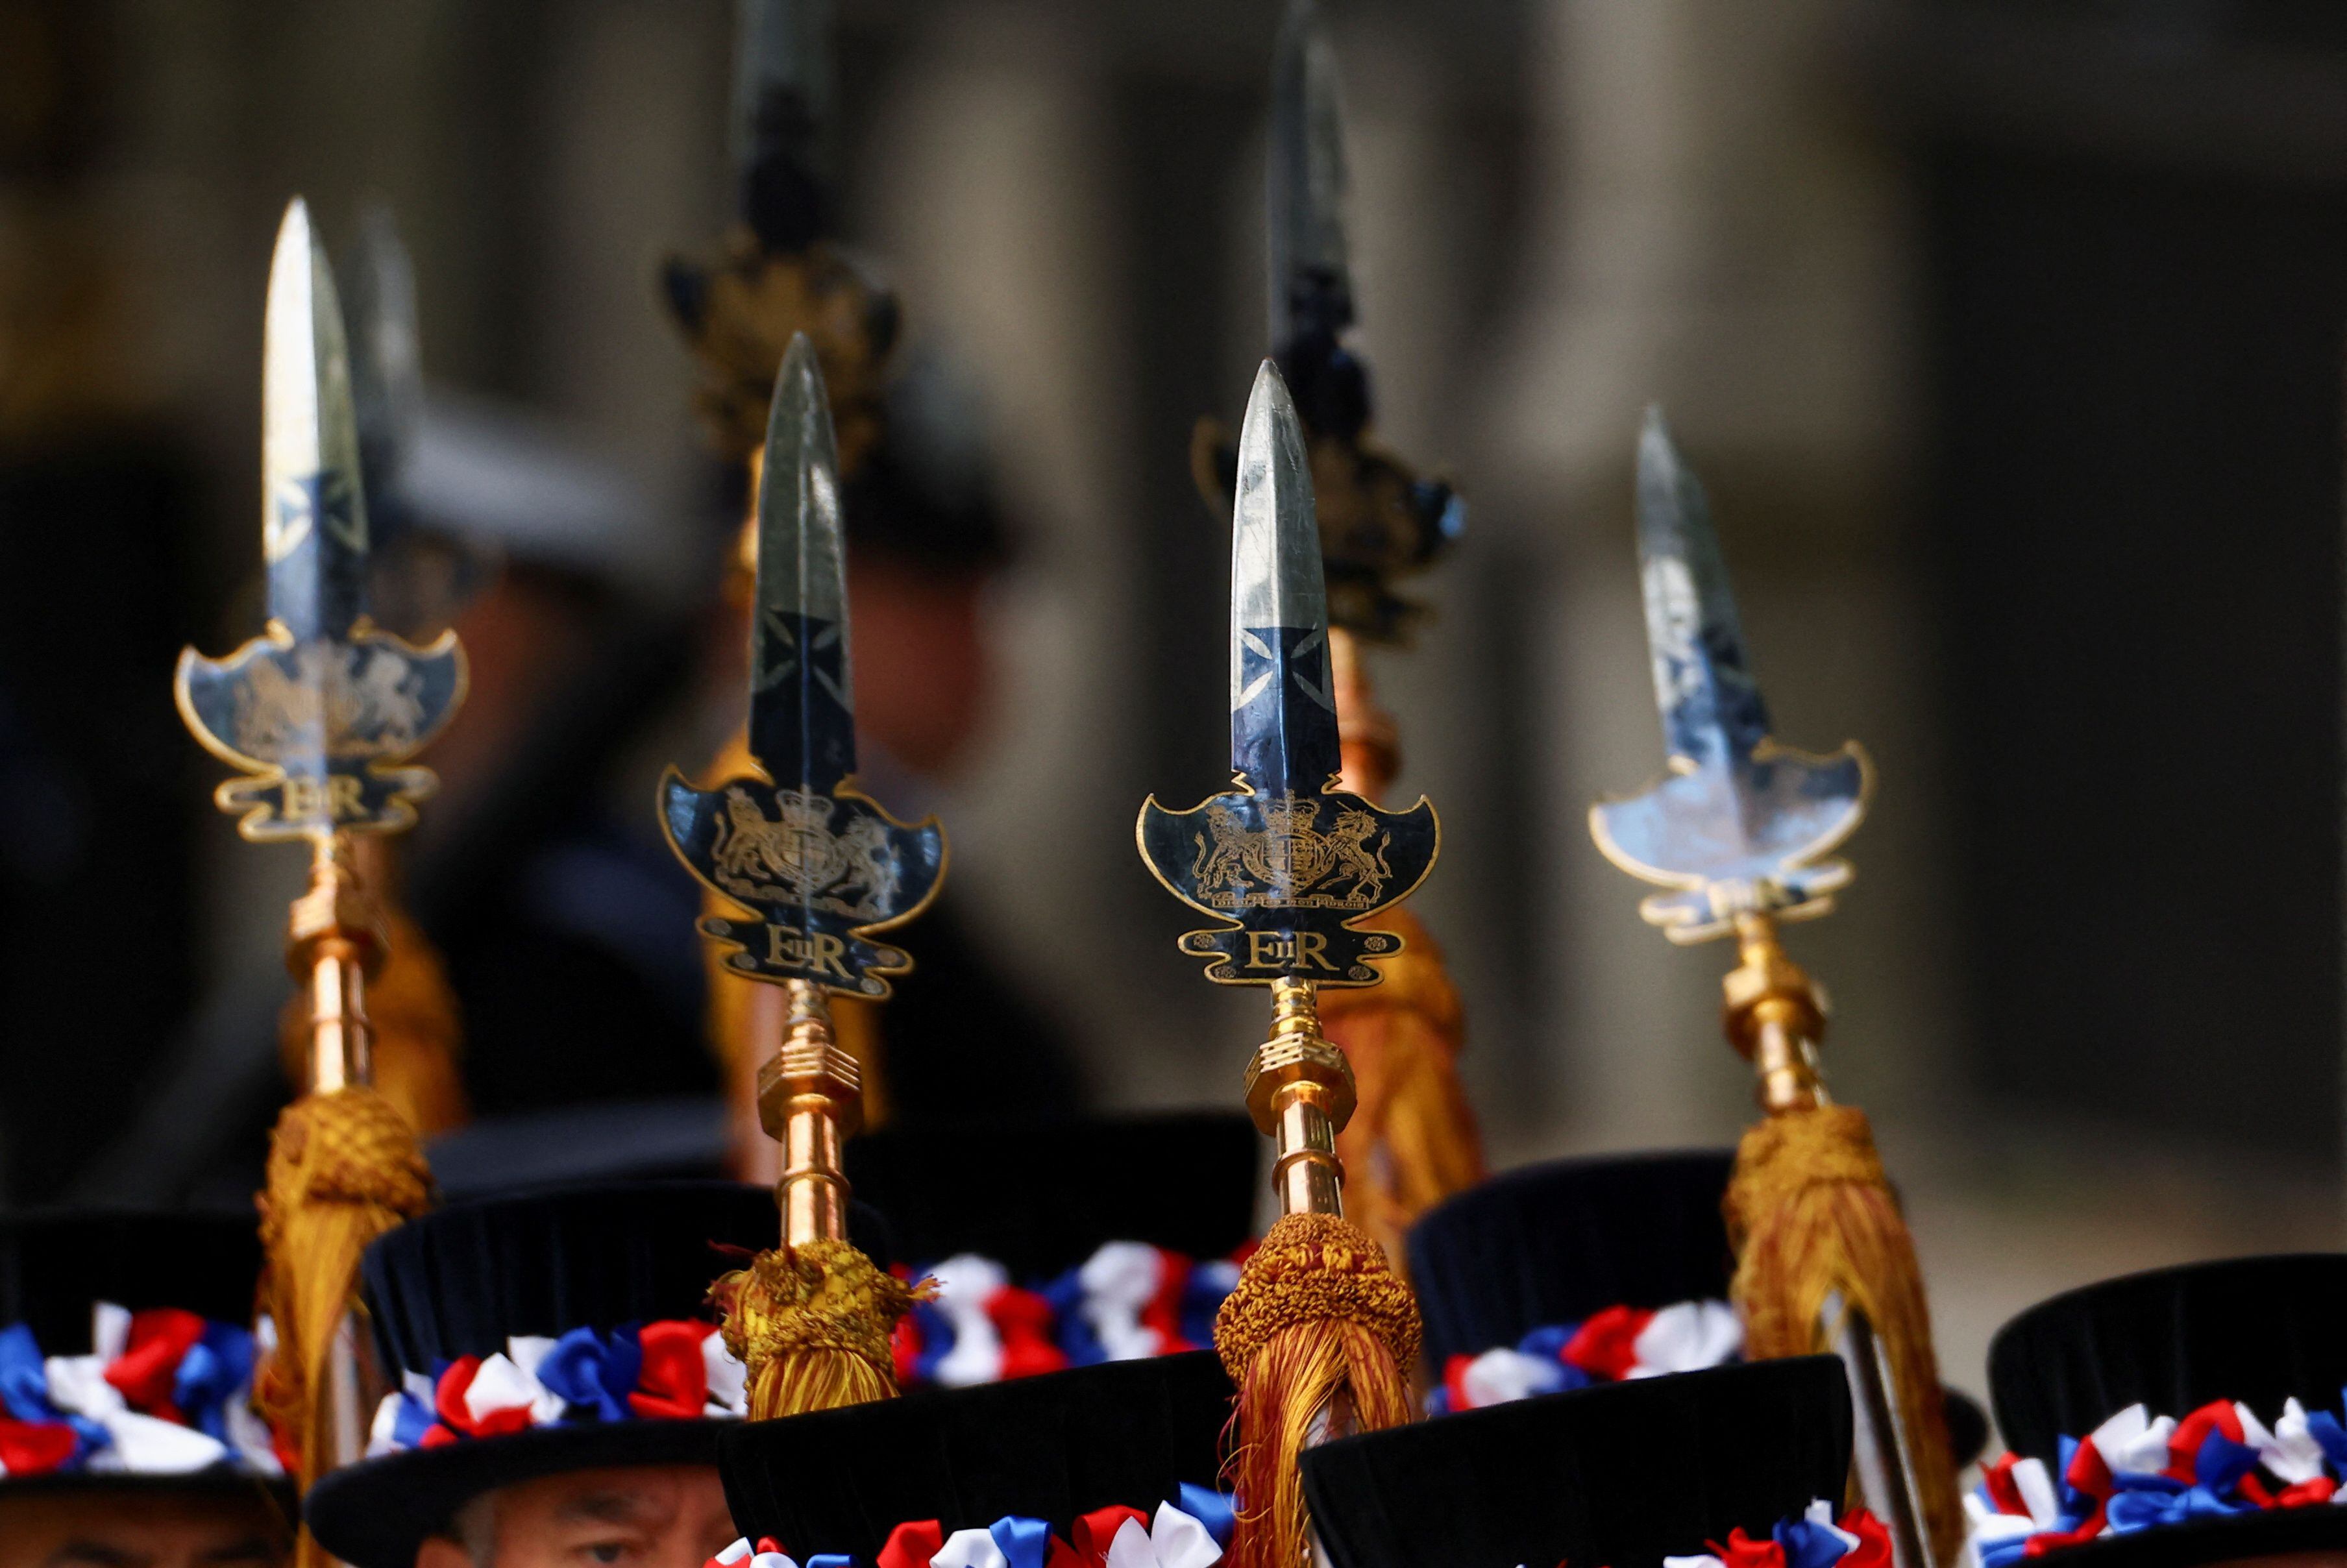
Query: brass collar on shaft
{"x":1299,"y":1087}
{"x":1774,"y":1016}
{"x":810,"y":1100}
{"x":334,"y":939}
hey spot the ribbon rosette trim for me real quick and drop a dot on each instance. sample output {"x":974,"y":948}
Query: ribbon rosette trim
{"x":163,"y":1391}
{"x":1126,"y":1302}
{"x":1810,"y":1539}
{"x":2137,"y":1472}
{"x":1192,"y":1533}
{"x":1609,"y":1346}
{"x":674,"y":1369}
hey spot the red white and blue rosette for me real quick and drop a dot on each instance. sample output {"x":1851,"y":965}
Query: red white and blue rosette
{"x":162,"y":1391}
{"x":1192,"y":1531}
{"x":1128,"y":1301}
{"x":2137,"y":1472}
{"x":1813,"y":1538}
{"x":1612,"y":1346}
{"x":675,"y":1370}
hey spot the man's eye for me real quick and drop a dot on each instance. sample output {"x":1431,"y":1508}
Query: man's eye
{"x":606,"y":1552}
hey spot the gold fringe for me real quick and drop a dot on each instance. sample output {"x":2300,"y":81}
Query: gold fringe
{"x":1413,"y":1140}
{"x":1317,"y":1318}
{"x":344,"y":1168}
{"x":813,"y":1323}
{"x":1811,"y":1214}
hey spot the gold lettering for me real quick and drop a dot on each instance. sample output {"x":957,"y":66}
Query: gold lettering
{"x":335,"y":797}
{"x":1280,"y":951}
{"x":303,"y":799}
{"x":830,"y":955}
{"x":789,"y":948}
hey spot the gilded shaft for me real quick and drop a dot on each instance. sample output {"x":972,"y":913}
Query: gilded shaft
{"x":810,"y":1100}
{"x":334,"y":941}
{"x":1774,"y":1018}
{"x":1299,"y":1087}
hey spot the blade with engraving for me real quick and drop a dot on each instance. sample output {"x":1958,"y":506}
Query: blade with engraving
{"x":820,"y":864}
{"x":1283,"y":703}
{"x":319,"y":710}
{"x":802,"y":693}
{"x":313,"y":521}
{"x":780,"y":120}
{"x":1740,"y":825}
{"x":1289,"y":860}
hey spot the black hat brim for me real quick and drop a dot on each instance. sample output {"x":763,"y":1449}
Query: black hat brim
{"x":378,"y":1513}
{"x":1624,"y":1473}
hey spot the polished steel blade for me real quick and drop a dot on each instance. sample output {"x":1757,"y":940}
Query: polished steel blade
{"x":386,"y":351}
{"x":1310,"y":286}
{"x":1283,"y":707}
{"x":1740,"y":825}
{"x":313,"y":521}
{"x":1711,"y":707}
{"x":802,"y":706}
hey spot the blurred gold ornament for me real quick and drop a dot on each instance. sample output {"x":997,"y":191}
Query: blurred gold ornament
{"x":740,"y":314}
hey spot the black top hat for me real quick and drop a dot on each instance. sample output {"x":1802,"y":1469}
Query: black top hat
{"x":1553,"y":1243}
{"x":1040,"y":1196}
{"x":1556,"y":1242}
{"x":1623,"y":1474}
{"x":127,"y":1351}
{"x":1052,"y":1448}
{"x":615,"y":1277}
{"x":2257,"y":1331}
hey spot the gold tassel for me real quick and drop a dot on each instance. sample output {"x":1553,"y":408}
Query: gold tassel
{"x":344,"y":1168}
{"x":814,"y":1323}
{"x":1811,"y":1215}
{"x":1316,"y":1335}
{"x":812,"y":1319}
{"x":1320,"y":1333}
{"x":419,"y":1039}
{"x":1413,"y":1141}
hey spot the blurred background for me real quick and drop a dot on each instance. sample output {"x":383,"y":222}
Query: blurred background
{"x":2008,"y":337}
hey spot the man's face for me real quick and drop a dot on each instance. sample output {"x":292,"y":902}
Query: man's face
{"x":643,"y":1516}
{"x":128,"y":1529}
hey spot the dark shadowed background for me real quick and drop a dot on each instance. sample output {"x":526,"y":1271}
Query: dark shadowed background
{"x":2007,"y":335}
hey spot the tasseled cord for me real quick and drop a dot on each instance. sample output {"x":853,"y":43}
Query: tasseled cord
{"x":813,"y":1323}
{"x":1413,"y":1141}
{"x":1811,"y":1214}
{"x":1318,"y":1317}
{"x":344,"y":1168}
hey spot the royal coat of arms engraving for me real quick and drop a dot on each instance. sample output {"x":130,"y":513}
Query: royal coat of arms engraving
{"x":795,"y":858}
{"x":1290,"y":863}
{"x":331,"y":699}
